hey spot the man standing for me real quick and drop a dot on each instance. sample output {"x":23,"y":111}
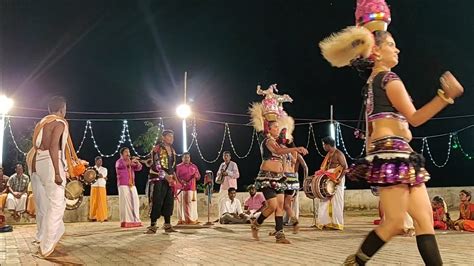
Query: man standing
{"x":3,"y":189}
{"x":232,"y":210}
{"x":17,"y":196}
{"x":227,"y":177}
{"x":162,"y":179}
{"x":187,"y":174}
{"x":50,"y":160}
{"x":334,"y":162}
{"x":98,"y":204}
{"x":129,"y":203}
{"x":255,"y":203}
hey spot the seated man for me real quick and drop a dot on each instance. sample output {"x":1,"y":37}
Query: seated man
{"x":3,"y":189}
{"x":255,"y":203}
{"x":17,"y":185}
{"x":231,"y":209}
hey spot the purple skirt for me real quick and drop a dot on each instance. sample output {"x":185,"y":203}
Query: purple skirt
{"x":390,"y":161}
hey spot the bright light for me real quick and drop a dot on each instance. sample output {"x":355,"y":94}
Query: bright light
{"x":332,"y":131}
{"x":183,"y":111}
{"x":5,"y":104}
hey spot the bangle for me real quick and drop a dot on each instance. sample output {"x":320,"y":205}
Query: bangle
{"x":442,"y":95}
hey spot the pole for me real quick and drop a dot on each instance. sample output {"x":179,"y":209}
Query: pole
{"x":2,"y":129}
{"x":185,"y":140}
{"x":332,"y":129}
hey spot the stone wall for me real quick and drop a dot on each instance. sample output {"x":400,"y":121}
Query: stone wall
{"x":354,"y":200}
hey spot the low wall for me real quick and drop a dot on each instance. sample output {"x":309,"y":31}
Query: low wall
{"x":354,"y":200}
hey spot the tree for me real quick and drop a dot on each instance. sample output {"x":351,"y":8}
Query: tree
{"x":147,"y":140}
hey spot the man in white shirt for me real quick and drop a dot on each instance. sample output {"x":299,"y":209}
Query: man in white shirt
{"x":231,"y":210}
{"x":98,"y":203}
{"x":226,"y":176}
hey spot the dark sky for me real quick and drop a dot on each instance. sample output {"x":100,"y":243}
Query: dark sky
{"x":120,"y":56}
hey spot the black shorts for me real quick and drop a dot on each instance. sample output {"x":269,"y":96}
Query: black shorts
{"x":291,"y":192}
{"x":270,"y":193}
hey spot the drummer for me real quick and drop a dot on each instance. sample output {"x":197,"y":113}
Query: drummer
{"x":333,"y":163}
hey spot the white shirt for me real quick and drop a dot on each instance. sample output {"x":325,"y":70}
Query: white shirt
{"x":229,"y":206}
{"x":101,"y":182}
{"x":230,"y":180}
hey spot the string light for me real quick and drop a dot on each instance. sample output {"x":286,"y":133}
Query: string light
{"x":453,"y":143}
{"x":311,"y":133}
{"x":13,"y":138}
{"x":254,"y":133}
{"x":83,"y":136}
{"x":199,"y":149}
{"x":425,"y":141}
{"x":457,"y":145}
{"x":339,"y":136}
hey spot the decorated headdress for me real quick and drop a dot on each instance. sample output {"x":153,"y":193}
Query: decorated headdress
{"x":270,"y":110}
{"x":353,"y":42}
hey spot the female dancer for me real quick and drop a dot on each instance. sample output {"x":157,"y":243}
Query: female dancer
{"x":270,"y":179}
{"x":390,"y":163}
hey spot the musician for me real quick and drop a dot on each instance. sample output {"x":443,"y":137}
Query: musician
{"x":50,"y":161}
{"x":98,"y":203}
{"x":227,"y":176}
{"x":334,"y":163}
{"x":162,"y":179}
{"x":129,"y":203}
{"x":18,"y":192}
{"x":3,"y":189}
{"x":187,"y":174}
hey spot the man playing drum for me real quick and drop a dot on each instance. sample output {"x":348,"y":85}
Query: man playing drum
{"x":334,"y":165}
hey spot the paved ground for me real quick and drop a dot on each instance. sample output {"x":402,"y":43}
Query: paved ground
{"x":107,"y":244}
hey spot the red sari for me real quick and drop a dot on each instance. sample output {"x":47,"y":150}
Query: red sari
{"x":438,"y":218}
{"x":466,"y":217}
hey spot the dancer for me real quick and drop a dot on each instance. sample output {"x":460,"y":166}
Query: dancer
{"x":162,"y":179}
{"x":270,"y":180}
{"x":331,"y":210}
{"x":390,"y":162}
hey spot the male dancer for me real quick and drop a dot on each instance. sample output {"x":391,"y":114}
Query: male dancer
{"x":162,"y":181}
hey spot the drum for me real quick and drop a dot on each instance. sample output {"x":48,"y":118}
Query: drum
{"x":319,"y":186}
{"x":74,"y":204}
{"x":74,"y":193}
{"x":74,"y":189}
{"x":90,"y":175}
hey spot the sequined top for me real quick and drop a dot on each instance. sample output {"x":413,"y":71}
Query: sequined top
{"x":266,"y":153}
{"x":377,"y":100}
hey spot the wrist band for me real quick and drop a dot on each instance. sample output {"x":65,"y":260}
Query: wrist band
{"x":442,"y":95}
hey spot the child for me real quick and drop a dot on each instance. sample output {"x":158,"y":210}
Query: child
{"x":440,"y":213}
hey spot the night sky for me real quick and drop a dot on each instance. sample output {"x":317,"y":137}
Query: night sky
{"x":127,"y":56}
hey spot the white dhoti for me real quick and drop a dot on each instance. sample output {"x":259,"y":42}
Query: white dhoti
{"x":129,"y":206}
{"x":16,"y":204}
{"x":331,"y":211}
{"x":223,"y":195}
{"x":41,"y":202}
{"x":50,"y":197}
{"x":187,"y":207}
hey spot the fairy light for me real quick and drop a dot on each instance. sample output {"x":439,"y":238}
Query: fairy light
{"x":339,"y":136}
{"x":254,"y":133}
{"x":425,"y":140}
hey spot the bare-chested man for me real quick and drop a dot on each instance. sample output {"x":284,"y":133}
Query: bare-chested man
{"x":48,"y":163}
{"x":334,"y":162}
